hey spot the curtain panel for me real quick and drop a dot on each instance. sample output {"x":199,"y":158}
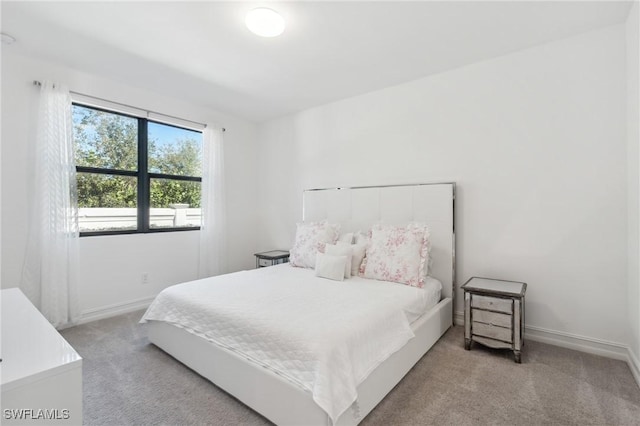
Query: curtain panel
{"x":50,"y":271}
{"x":213,"y":239}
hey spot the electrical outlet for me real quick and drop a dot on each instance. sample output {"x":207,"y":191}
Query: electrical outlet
{"x":145,"y":278}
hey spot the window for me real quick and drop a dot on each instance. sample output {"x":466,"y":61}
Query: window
{"x":134,"y":174}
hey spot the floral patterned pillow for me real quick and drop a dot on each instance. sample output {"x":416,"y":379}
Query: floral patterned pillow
{"x":311,"y":238}
{"x":398,"y":254}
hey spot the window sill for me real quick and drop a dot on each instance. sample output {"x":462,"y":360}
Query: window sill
{"x":134,"y":231}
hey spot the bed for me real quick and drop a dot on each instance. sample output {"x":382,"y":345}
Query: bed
{"x":302,"y":350}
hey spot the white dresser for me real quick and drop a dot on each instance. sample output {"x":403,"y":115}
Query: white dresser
{"x":40,"y":373}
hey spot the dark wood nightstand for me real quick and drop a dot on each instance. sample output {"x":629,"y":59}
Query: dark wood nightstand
{"x":494,"y":313}
{"x":270,"y":258}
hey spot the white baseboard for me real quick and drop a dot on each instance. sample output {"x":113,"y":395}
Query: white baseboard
{"x":634,"y":365}
{"x":113,"y":310}
{"x":579,"y":343}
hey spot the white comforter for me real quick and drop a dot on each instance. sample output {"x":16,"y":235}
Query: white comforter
{"x":325,"y":336}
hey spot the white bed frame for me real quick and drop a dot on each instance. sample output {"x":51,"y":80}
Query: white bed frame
{"x":358,"y":208}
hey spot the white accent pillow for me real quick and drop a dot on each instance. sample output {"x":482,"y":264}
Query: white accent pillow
{"x":358,"y":251}
{"x":311,"y":238}
{"x":331,"y":267}
{"x":341,"y":249}
{"x":362,"y":237}
{"x":398,"y":254}
{"x":346,"y":238}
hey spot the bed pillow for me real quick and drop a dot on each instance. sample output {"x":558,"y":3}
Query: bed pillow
{"x":358,"y":252}
{"x":311,"y":238}
{"x":346,"y":238}
{"x":362,"y":237}
{"x":341,"y":249}
{"x":398,"y":254}
{"x":331,"y":267}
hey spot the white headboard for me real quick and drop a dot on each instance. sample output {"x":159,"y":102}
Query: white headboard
{"x":358,"y":208}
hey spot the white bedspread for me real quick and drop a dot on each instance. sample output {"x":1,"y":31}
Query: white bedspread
{"x":325,"y":336}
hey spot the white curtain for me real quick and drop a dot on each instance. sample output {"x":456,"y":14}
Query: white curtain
{"x":49,"y":275}
{"x":213,"y":240}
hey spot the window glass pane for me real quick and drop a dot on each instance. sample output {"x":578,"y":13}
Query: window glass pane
{"x":174,"y":151}
{"x":175,"y":204}
{"x":105,"y":139}
{"x":107,"y":202}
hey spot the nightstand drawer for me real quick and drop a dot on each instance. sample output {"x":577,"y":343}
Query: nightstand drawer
{"x":265,"y":262}
{"x":492,"y":331}
{"x":491,"y":318}
{"x":492,"y":303}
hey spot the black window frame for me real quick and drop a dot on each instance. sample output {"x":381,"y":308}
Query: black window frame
{"x":144,"y":179}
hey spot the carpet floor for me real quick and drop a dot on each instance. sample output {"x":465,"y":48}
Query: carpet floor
{"x":128,"y":381}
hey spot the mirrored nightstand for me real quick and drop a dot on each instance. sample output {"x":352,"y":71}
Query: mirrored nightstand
{"x":270,"y":258}
{"x":494,"y":313}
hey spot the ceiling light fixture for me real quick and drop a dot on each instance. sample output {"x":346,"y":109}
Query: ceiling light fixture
{"x":7,"y":39}
{"x":265,"y":22}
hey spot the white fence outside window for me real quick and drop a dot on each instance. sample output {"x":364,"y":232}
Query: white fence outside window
{"x":107,"y":219}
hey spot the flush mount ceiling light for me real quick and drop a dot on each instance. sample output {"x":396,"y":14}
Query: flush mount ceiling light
{"x":7,"y":39}
{"x":265,"y":22}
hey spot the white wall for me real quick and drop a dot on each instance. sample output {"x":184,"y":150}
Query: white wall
{"x":633,"y":186}
{"x":111,"y":267}
{"x":535,"y":141}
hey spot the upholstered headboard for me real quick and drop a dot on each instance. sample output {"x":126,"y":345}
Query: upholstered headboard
{"x":358,"y":208}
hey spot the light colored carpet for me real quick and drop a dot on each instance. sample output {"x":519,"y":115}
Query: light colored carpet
{"x":128,"y":381}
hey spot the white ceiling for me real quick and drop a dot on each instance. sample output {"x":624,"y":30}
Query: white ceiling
{"x":202,"y":52}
